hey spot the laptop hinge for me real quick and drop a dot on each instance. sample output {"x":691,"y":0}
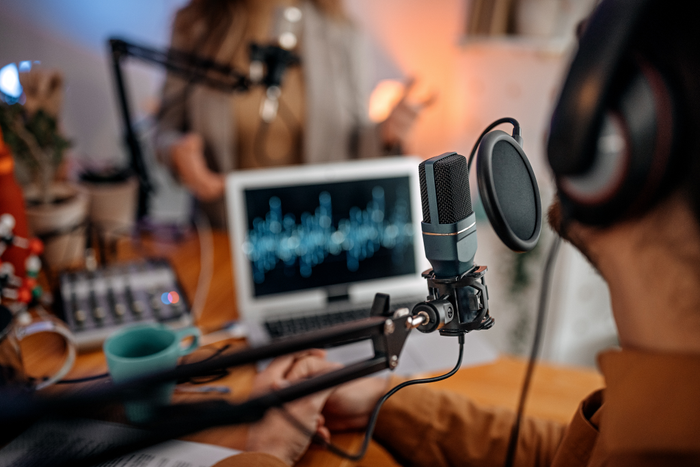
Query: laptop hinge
{"x":337,"y":293}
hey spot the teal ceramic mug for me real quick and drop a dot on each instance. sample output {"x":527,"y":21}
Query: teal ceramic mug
{"x":143,"y":349}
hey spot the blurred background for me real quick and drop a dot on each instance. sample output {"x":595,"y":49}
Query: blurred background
{"x":483,"y":60}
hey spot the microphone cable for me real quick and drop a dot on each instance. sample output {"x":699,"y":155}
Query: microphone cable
{"x":296,"y":423}
{"x":262,"y":134}
{"x":539,"y":326}
{"x":500,"y":121}
{"x":217,"y":351}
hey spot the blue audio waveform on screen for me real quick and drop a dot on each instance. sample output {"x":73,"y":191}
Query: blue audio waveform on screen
{"x":311,"y":239}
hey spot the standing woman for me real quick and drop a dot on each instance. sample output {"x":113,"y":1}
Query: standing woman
{"x":204,"y":133}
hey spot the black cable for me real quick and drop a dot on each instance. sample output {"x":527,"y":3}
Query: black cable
{"x":500,"y":121}
{"x":83,"y":380}
{"x":210,"y":377}
{"x":375,"y":413}
{"x":541,"y":312}
{"x":216,"y":375}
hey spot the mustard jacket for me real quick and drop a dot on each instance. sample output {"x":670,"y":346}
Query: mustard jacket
{"x":648,"y":415}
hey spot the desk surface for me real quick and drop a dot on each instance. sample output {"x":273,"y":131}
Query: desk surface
{"x":554,"y":395}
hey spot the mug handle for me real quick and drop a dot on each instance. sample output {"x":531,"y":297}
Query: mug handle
{"x":192,"y":332}
{"x":58,"y":328}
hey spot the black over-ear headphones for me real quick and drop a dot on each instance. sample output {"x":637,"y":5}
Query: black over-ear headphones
{"x":615,"y":126}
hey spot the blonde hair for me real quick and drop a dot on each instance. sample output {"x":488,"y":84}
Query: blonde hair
{"x":205,"y":23}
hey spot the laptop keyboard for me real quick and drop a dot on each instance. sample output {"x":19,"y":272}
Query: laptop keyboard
{"x":298,"y":325}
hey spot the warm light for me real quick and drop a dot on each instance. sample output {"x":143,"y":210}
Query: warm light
{"x":383,"y":99}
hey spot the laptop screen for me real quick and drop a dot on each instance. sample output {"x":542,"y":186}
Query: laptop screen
{"x":323,"y":234}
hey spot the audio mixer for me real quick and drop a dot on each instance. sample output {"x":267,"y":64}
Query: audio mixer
{"x":96,"y":303}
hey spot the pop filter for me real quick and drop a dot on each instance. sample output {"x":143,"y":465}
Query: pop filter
{"x":509,"y":191}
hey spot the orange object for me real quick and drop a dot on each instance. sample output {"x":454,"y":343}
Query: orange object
{"x":36,"y":246}
{"x":12,"y":202}
{"x":24,"y":295}
{"x":29,"y":283}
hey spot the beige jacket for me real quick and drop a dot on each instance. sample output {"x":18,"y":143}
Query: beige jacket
{"x":337,"y":87}
{"x":648,"y":415}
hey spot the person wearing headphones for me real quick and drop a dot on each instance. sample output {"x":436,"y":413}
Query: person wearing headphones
{"x":627,"y":167}
{"x":320,"y":107}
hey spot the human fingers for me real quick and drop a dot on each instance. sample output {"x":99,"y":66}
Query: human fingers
{"x":321,"y":428}
{"x":407,"y":87}
{"x":309,"y":366}
{"x":428,"y":101}
{"x":274,"y":376}
{"x":338,"y":424}
{"x":305,"y":368}
{"x":324,"y":433}
{"x":270,"y":376}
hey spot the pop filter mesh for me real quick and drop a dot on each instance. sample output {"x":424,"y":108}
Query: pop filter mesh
{"x":514,"y":189}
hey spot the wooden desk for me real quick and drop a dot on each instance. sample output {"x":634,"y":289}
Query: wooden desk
{"x":555,"y":392}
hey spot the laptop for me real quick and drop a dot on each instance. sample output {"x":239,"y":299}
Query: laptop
{"x":313,"y":244}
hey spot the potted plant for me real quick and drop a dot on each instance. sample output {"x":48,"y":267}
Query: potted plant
{"x":56,"y":211}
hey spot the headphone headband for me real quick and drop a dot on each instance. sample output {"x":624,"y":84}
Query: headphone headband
{"x":578,"y":116}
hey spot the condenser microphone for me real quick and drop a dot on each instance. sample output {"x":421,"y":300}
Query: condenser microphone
{"x":458,"y":296}
{"x":449,"y":222}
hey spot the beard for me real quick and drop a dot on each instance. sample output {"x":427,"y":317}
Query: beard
{"x":571,"y":231}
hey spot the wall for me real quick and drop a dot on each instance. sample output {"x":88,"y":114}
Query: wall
{"x":71,"y":35}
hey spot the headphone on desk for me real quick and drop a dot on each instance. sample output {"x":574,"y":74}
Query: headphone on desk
{"x":617,"y":123}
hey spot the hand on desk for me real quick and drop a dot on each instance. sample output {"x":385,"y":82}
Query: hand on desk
{"x":274,"y":434}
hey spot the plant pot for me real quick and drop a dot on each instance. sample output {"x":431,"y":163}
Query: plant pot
{"x":112,"y":207}
{"x":60,"y":224}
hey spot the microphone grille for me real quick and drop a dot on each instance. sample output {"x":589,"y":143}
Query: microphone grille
{"x":452,"y":189}
{"x":424,"y":193}
{"x":454,"y":201}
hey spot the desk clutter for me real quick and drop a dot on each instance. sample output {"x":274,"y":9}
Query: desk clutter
{"x":96,"y":303}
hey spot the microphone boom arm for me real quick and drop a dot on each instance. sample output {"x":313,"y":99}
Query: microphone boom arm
{"x":192,"y":68}
{"x":388,"y":332}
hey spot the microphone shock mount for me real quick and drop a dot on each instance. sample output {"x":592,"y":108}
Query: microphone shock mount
{"x":455,"y":305}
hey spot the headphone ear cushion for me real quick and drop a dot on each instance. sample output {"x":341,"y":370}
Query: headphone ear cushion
{"x":632,"y":156}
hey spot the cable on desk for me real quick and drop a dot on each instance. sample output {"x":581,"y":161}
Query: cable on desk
{"x":212,"y":377}
{"x":375,"y":413}
{"x":541,"y":313}
{"x":206,"y":270}
{"x":83,"y":380}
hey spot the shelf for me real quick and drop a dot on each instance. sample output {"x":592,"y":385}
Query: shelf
{"x":548,"y":46}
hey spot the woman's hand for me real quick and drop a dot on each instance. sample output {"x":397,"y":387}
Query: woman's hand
{"x":187,"y":157}
{"x":350,"y":405}
{"x":397,"y":126}
{"x":274,"y":434}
